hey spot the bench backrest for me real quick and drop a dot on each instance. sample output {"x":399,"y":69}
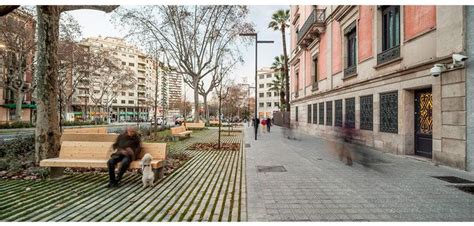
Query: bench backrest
{"x":179,"y":129}
{"x":102,"y":150}
{"x":91,"y":137}
{"x":86,"y":130}
{"x":195,"y":125}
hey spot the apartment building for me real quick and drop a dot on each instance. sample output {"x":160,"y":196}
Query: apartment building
{"x":21,"y":26}
{"x":175,"y":93}
{"x":129,"y":104}
{"x":369,"y":68}
{"x":268,"y":100}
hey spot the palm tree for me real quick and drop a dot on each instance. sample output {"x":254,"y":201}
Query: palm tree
{"x":280,"y":21}
{"x":278,"y":84}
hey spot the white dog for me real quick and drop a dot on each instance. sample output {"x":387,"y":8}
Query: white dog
{"x":148,"y":176}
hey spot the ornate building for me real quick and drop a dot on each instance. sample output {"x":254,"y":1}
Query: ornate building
{"x":369,"y":68}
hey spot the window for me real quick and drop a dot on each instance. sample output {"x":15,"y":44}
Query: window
{"x":114,"y":101}
{"x":351,"y":40}
{"x":315,"y":113}
{"x":269,"y":104}
{"x":269,"y":94}
{"x":123,"y":54}
{"x":389,"y":112}
{"x":366,"y":112}
{"x":269,"y":85}
{"x":261,"y":94}
{"x":131,"y":56}
{"x":261,"y":105}
{"x":124,"y":63}
{"x":297,"y":79}
{"x":269,"y":75}
{"x":329,"y":113}
{"x":131,"y":64}
{"x":261,"y":76}
{"x":338,"y":113}
{"x":296,"y":114}
{"x":123,"y":93}
{"x":350,"y":113}
{"x":309,"y":114}
{"x":131,"y":102}
{"x":390,"y":34}
{"x":276,"y":104}
{"x":275,"y":93}
{"x":315,"y":73}
{"x":96,"y":91}
{"x":321,"y":113}
{"x":131,"y":94}
{"x":261,"y":86}
{"x":390,"y":26}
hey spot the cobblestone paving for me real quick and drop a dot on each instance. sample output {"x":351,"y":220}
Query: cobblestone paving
{"x":318,"y":187}
{"x":209,"y":187}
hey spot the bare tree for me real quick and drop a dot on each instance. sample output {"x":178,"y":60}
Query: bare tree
{"x":17,"y":46}
{"x":107,"y":80}
{"x":195,"y":37}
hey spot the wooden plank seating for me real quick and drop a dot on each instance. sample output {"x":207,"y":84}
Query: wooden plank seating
{"x":195,"y":125}
{"x":91,"y":137}
{"x":86,"y":130}
{"x":214,"y":123}
{"x":180,"y":131}
{"x":77,"y":153}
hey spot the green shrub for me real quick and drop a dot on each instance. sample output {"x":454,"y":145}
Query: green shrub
{"x":3,"y":164}
{"x":21,"y":145}
{"x":14,"y":125}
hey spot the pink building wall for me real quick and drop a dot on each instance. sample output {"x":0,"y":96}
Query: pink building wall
{"x":364,"y":39}
{"x":336,"y":47}
{"x":418,"y":19}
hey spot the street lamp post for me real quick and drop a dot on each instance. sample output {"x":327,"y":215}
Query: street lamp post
{"x":256,"y":51}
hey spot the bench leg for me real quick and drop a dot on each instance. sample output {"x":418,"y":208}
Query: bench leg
{"x":56,"y":172}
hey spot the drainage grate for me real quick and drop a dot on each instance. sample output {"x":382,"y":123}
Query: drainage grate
{"x":271,"y":169}
{"x":454,"y":180}
{"x":247,"y":145}
{"x":467,"y":189}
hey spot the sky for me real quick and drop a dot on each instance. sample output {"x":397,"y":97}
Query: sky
{"x":95,"y":23}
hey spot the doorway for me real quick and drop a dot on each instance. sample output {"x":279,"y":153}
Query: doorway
{"x":424,"y":123}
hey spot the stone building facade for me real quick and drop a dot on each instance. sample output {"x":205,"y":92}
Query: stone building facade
{"x":368,"y":68}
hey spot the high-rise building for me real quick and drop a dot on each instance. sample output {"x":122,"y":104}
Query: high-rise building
{"x":130,"y":104}
{"x":268,"y":99}
{"x":368,"y":69}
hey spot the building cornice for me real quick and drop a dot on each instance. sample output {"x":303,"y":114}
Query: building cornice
{"x":340,"y":12}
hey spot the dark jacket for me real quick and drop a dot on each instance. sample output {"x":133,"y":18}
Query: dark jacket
{"x":129,"y":146}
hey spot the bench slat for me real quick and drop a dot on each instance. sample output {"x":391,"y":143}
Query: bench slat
{"x":86,"y":130}
{"x":90,"y":137}
{"x":87,"y":163}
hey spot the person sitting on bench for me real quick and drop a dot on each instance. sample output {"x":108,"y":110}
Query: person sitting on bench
{"x":127,"y":148}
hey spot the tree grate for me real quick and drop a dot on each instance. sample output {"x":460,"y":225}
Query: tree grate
{"x":270,"y":169}
{"x":454,"y":180}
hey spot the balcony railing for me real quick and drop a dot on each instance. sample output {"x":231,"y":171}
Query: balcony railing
{"x":312,"y":27}
{"x":349,"y":71}
{"x":388,"y":55}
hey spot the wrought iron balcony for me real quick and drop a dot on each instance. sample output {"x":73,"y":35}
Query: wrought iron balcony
{"x":349,"y":71}
{"x":388,"y":55}
{"x":312,"y":27}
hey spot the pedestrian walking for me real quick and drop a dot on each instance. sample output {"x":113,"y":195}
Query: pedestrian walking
{"x":264,"y":125}
{"x":269,"y":124}
{"x":256,"y":123}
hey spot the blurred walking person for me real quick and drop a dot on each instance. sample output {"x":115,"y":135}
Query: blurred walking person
{"x":264,"y":125}
{"x":269,"y":124}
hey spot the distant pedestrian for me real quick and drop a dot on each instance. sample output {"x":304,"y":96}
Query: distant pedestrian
{"x":346,"y":137}
{"x":264,"y":125}
{"x":256,"y":123}
{"x":269,"y":124}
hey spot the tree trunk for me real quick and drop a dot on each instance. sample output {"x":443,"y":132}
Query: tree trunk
{"x":196,"y":99}
{"x":220,"y":106}
{"x":287,"y":79}
{"x":47,"y":134}
{"x":19,"y":101}
{"x":206,"y":107}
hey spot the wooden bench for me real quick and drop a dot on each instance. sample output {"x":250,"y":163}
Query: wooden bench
{"x":195,"y":125}
{"x":86,"y":130}
{"x":91,"y":154}
{"x":180,"y":131}
{"x":91,"y":137}
{"x":214,"y":123}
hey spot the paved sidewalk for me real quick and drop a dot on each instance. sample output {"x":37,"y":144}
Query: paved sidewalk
{"x":319,"y":187}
